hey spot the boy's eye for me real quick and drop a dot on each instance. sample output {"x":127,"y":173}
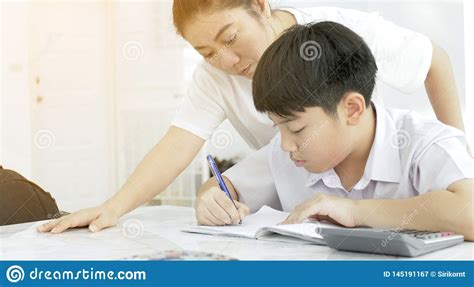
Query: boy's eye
{"x":298,"y":131}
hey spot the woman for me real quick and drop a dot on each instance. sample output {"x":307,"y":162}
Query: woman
{"x":231,"y":35}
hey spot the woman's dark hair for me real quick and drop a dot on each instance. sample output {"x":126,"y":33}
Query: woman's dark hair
{"x":313,"y":65}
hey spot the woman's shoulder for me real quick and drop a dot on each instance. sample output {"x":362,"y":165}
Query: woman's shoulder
{"x":205,"y":71}
{"x":206,"y":74}
{"x":325,"y":13}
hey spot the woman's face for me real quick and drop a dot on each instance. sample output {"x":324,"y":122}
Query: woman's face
{"x":231,"y":40}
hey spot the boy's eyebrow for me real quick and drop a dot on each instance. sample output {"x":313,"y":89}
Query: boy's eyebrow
{"x":286,"y":120}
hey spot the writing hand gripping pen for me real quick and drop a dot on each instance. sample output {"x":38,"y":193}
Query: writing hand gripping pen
{"x":217,"y":174}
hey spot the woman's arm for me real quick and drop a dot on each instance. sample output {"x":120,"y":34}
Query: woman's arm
{"x":441,"y":88}
{"x":154,"y":173}
{"x":158,"y":169}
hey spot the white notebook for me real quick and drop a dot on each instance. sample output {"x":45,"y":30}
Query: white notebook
{"x":263,"y":225}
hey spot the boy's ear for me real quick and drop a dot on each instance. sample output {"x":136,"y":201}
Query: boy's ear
{"x":353,"y":105}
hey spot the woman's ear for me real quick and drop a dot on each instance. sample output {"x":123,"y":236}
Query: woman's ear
{"x":353,"y":105}
{"x":264,"y":8}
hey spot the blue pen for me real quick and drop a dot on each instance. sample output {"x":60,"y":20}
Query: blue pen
{"x":218,"y":176}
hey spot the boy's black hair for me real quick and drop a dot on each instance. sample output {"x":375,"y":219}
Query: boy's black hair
{"x":313,"y":65}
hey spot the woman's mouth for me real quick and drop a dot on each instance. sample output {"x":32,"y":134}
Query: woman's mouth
{"x":245,"y":71}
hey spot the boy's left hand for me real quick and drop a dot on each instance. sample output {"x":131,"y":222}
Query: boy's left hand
{"x":337,"y":209}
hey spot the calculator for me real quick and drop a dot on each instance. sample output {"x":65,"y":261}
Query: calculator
{"x":406,"y":242}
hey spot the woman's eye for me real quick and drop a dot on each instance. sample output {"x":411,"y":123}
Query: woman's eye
{"x":209,"y":56}
{"x":231,"y":40}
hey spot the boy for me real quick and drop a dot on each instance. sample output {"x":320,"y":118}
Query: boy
{"x":339,"y":156}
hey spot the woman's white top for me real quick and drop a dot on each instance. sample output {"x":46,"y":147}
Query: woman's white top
{"x":403,"y":59}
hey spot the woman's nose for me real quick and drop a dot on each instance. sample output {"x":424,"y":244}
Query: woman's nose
{"x":229,"y":59}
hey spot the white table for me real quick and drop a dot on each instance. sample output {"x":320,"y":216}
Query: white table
{"x":158,"y":229}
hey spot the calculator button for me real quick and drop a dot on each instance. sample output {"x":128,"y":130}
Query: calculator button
{"x":408,"y":231}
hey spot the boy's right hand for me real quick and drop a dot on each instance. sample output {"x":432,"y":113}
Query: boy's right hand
{"x":96,"y":218}
{"x":213,"y":207}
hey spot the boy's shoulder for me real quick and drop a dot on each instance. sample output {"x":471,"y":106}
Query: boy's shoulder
{"x":413,"y":133}
{"x":432,"y":155}
{"x":417,"y":125}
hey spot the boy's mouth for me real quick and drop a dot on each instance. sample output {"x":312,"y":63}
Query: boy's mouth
{"x":299,"y":163}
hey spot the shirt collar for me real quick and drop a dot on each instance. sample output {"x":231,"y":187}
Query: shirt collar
{"x":383,"y":163}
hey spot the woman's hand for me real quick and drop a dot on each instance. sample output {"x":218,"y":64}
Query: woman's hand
{"x":96,"y":218}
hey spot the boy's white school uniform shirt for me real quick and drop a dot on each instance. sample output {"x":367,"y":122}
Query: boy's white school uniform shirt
{"x":410,"y":155}
{"x":403,"y":58}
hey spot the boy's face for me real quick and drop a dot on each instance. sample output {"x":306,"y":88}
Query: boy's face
{"x":314,"y":139}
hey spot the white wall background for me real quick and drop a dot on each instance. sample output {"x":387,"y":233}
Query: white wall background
{"x":15,"y":109}
{"x":146,"y":70}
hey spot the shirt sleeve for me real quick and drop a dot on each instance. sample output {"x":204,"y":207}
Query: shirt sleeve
{"x":403,"y":56}
{"x":253,"y":180}
{"x":200,"y":112}
{"x":443,"y":163}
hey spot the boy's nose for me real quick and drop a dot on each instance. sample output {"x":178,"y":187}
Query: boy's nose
{"x":288,"y":145}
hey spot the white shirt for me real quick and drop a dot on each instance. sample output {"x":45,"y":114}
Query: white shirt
{"x":403,"y":58}
{"x":410,"y":155}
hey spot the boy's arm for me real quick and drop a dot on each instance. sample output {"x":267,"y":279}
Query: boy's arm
{"x":212,"y":183}
{"x":214,"y":208}
{"x":441,"y":210}
{"x":445,"y":170}
{"x":441,"y":88}
{"x":445,"y":164}
{"x":251,"y":185}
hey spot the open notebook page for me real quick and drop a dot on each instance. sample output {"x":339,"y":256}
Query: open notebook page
{"x":266,"y":216}
{"x":307,"y":232}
